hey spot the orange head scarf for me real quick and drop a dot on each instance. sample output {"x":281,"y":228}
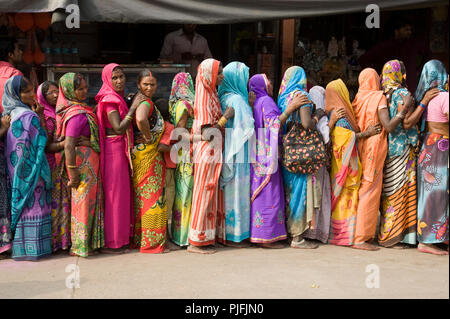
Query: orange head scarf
{"x":337,"y":96}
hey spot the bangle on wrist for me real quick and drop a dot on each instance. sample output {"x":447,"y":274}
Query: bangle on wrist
{"x":223,"y":120}
{"x":129,"y":117}
{"x":71,"y":166}
{"x":423,"y":106}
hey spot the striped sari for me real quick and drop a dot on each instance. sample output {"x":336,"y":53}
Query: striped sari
{"x":148,"y":183}
{"x":207,"y":200}
{"x":346,"y":168}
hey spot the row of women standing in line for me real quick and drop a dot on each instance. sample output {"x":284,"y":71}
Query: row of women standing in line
{"x":374,"y":145}
{"x":202,"y":211}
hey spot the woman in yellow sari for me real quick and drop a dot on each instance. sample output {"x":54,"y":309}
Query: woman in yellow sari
{"x":346,"y":167}
{"x":149,"y":170}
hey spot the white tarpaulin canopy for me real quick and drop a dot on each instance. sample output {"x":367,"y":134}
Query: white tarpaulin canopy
{"x":204,"y":11}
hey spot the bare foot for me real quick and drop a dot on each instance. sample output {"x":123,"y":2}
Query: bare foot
{"x":272,"y":246}
{"x":172,"y":246}
{"x":116,"y":251}
{"x":430,"y":249}
{"x":242,"y":244}
{"x":200,"y":250}
{"x":400,"y":246}
{"x":4,"y":256}
{"x":365,"y":246}
{"x":304,"y":244}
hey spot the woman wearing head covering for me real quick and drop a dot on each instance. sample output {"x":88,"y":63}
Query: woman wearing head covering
{"x":5,"y":218}
{"x":47,"y":96}
{"x":432,"y":170}
{"x":321,"y":207}
{"x":207,"y":202}
{"x":28,"y":170}
{"x":116,"y":141}
{"x":398,"y":197}
{"x":82,"y":161}
{"x":346,"y":167}
{"x":235,"y":176}
{"x":267,"y":219}
{"x":372,"y":153}
{"x":149,"y":170}
{"x":181,"y":109}
{"x":295,"y":185}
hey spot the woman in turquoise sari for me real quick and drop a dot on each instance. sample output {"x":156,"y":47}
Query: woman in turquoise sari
{"x":235,"y":177}
{"x":29,"y":172}
{"x":295,"y":185}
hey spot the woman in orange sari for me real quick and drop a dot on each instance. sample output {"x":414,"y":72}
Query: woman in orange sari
{"x":207,"y":206}
{"x":346,"y":167}
{"x":372,"y":152}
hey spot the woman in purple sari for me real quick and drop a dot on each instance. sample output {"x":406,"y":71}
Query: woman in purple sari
{"x":267,"y":215}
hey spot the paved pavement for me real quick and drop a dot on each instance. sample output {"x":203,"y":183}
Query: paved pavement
{"x":326,"y":272}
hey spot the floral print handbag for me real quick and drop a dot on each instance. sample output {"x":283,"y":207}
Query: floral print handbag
{"x":304,"y":151}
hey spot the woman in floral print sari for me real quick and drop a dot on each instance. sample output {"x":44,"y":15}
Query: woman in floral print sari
{"x":149,"y":170}
{"x":75,"y":119}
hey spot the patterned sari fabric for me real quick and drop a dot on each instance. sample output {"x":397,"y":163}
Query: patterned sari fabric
{"x":372,"y":151}
{"x":30,"y":178}
{"x":235,"y":176}
{"x":432,"y":176}
{"x":267,"y":219}
{"x":5,"y":215}
{"x":433,"y":165}
{"x":181,"y":101}
{"x":87,"y":199}
{"x":295,"y":185}
{"x":60,"y":192}
{"x":399,"y":195}
{"x":346,"y":168}
{"x":148,"y":182}
{"x":207,"y":206}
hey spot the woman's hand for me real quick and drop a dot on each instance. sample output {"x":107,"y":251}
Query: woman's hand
{"x":38,"y":109}
{"x":74,"y":181}
{"x":373,"y":130}
{"x":83,"y":141}
{"x":251,"y":98}
{"x":337,"y":115}
{"x":298,"y":101}
{"x":140,"y":139}
{"x":429,"y":95}
{"x":6,"y":121}
{"x":162,"y":148}
{"x":406,"y":104}
{"x":229,"y":113}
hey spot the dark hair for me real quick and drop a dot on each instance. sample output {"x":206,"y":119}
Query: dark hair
{"x":400,"y":22}
{"x":117,"y":68}
{"x":77,"y":80}
{"x":46,"y":85}
{"x":143,"y":74}
{"x":24,"y":82}
{"x":7,"y":45}
{"x":163,"y":107}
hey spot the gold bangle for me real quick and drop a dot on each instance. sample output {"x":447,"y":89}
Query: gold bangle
{"x":129,"y":117}
{"x":72,"y":166}
{"x":223,"y":120}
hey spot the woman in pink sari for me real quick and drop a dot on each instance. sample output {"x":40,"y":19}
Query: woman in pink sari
{"x":116,"y":140}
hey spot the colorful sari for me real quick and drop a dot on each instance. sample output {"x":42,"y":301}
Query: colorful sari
{"x":318,"y":189}
{"x":267,"y":219}
{"x":372,"y":152}
{"x":346,"y":168}
{"x":207,"y":204}
{"x":433,"y":165}
{"x":116,"y":165}
{"x":235,"y":176}
{"x":399,"y":195}
{"x":29,"y":173}
{"x":60,"y":192}
{"x":295,"y":185}
{"x":148,"y":182}
{"x":182,"y":100}
{"x":87,"y":199}
{"x":5,"y":215}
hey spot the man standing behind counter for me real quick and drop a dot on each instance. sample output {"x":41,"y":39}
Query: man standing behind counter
{"x":187,"y":47}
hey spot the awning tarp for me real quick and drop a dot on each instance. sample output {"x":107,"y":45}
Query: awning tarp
{"x":225,"y":11}
{"x":34,"y":5}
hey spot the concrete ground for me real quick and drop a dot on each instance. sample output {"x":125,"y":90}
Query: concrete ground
{"x":326,"y":272}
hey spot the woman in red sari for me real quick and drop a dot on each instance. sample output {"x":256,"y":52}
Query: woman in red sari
{"x":116,"y":141}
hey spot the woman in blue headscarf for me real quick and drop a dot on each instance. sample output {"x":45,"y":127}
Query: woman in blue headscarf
{"x":29,"y":172}
{"x":295,"y":185}
{"x":432,"y":166}
{"x":235,"y":176}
